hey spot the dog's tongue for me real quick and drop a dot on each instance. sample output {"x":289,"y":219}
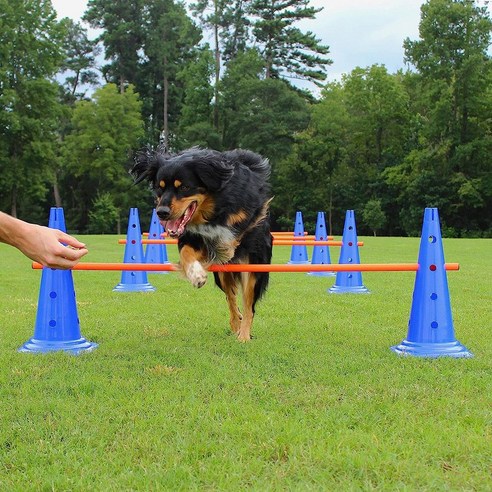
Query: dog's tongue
{"x":177,"y":227}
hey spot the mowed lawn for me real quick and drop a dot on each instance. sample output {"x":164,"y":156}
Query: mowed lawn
{"x":317,"y":401}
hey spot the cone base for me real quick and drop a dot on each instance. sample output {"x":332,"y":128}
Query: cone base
{"x":74,"y":347}
{"x":358,"y":289}
{"x":449,"y":349}
{"x":134,"y":288}
{"x":322,"y":274}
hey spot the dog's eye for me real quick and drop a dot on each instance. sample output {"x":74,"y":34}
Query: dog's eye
{"x":184,"y":188}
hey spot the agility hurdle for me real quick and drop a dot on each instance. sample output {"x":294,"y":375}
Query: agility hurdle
{"x":254,"y":267}
{"x":276,"y":242}
{"x":430,"y":327}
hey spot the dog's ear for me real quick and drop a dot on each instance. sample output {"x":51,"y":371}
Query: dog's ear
{"x":145,"y":167}
{"x":214,"y":171}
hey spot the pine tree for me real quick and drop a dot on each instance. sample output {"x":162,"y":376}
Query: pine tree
{"x":287,"y":51}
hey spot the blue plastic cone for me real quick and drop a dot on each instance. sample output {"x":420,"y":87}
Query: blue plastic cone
{"x":430,"y":327}
{"x":57,"y":324}
{"x":298,"y":254}
{"x":134,"y":281}
{"x":349,"y":282}
{"x":321,"y":254}
{"x":156,"y":253}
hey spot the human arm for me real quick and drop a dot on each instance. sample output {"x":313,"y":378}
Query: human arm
{"x":41,"y":244}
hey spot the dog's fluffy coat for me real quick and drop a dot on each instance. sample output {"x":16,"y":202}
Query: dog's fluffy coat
{"x":216,"y":204}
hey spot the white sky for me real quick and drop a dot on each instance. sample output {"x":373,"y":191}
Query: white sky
{"x":358,"y":32}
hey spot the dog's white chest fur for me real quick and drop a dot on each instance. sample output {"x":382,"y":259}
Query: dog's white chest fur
{"x":220,"y":241}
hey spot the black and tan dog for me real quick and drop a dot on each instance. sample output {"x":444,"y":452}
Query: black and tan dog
{"x":216,"y":204}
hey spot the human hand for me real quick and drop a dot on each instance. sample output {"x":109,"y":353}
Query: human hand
{"x":44,"y":245}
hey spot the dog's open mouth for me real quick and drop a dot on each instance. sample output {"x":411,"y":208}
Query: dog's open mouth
{"x":176,"y":227}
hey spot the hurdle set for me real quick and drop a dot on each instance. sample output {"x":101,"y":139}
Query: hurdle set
{"x":430,"y":327}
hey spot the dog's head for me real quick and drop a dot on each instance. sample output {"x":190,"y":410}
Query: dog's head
{"x":184,"y":184}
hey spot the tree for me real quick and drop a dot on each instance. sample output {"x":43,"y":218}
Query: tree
{"x":286,"y":50}
{"x":454,"y":69}
{"x":196,"y":120}
{"x":31,"y":54}
{"x":169,"y":40}
{"x":373,"y":215}
{"x":106,"y":131}
{"x":260,"y":114}
{"x":80,"y":59}
{"x":121,"y":24}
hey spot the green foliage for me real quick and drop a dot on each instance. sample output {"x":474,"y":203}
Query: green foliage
{"x":287,"y":51}
{"x":30,"y":54}
{"x":97,"y":151}
{"x":373,"y":215}
{"x":414,"y":139}
{"x":103,"y":215}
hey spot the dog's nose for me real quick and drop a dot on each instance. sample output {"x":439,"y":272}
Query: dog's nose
{"x":163,"y":212}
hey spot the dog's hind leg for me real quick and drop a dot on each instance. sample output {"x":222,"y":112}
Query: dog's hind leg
{"x":227,"y":282}
{"x":248,"y":282}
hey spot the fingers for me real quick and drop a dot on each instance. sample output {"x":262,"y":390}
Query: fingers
{"x":69,"y":240}
{"x":65,"y":257}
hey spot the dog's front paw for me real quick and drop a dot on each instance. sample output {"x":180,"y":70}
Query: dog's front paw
{"x":196,"y":274}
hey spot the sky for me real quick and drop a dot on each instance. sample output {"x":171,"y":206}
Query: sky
{"x":358,"y":32}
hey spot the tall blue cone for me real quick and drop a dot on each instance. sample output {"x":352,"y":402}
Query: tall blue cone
{"x":430,"y":327}
{"x":298,"y":253}
{"x":321,"y":254}
{"x":134,"y":281}
{"x":156,"y":253}
{"x":57,"y":324}
{"x":349,"y":282}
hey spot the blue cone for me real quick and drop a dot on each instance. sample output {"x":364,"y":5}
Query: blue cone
{"x":349,"y":282}
{"x":134,"y":281}
{"x":430,"y":327}
{"x":298,"y":254}
{"x":321,"y":254}
{"x":57,"y":324}
{"x":156,"y":253}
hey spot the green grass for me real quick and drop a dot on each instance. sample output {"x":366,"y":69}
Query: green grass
{"x":317,"y":401}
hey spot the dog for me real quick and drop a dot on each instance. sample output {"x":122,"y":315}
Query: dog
{"x":217,"y":205}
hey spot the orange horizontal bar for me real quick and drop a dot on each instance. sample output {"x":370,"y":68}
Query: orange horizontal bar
{"x":359,"y":267}
{"x":290,"y":242}
{"x":276,"y":235}
{"x":276,"y":242}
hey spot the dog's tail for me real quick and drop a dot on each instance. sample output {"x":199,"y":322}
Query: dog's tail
{"x":258,"y":164}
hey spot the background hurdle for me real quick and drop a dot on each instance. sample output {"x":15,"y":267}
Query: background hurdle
{"x":276,"y":242}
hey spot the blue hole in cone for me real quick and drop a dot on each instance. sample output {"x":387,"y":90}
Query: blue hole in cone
{"x":52,"y":323}
{"x":434,"y":324}
{"x":349,"y":260}
{"x":53,"y":295}
{"x":433,"y":296}
{"x":134,"y":225}
{"x":432,"y":239}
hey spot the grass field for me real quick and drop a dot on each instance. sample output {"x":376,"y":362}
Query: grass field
{"x":317,"y":401}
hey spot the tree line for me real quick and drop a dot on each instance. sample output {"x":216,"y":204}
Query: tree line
{"x":222,"y":74}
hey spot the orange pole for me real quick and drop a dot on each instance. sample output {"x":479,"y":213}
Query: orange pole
{"x":290,"y":242}
{"x":359,"y":267}
{"x":276,"y":242}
